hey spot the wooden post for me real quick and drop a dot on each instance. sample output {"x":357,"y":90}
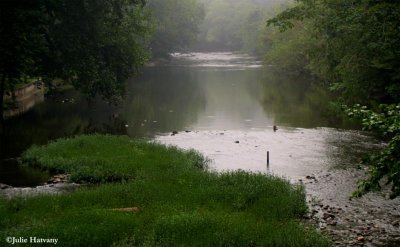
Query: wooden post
{"x":268,"y":158}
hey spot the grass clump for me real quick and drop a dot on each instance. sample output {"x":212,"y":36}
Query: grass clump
{"x":178,"y":203}
{"x":106,"y":158}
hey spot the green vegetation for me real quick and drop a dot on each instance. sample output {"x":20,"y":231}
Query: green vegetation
{"x":387,"y":162}
{"x":98,"y":158}
{"x":352,"y":45}
{"x":177,"y":25}
{"x":353,"y":48}
{"x":235,"y":25}
{"x":172,"y":200}
{"x":93,"y":45}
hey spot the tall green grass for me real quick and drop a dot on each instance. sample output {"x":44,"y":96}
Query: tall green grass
{"x":180,"y":203}
{"x":106,"y":158}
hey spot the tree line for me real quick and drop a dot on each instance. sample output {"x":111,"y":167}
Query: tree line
{"x":95,"y":45}
{"x":353,"y":48}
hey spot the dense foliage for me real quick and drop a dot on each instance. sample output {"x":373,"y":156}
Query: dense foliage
{"x":385,"y":164}
{"x":235,"y":25}
{"x":353,"y":45}
{"x":177,"y":25}
{"x":93,"y":44}
{"x":354,"y":48}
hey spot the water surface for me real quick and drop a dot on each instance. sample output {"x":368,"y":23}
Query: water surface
{"x":222,"y":98}
{"x":225,"y":106}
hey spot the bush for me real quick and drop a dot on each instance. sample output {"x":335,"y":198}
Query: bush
{"x":386,"y":163}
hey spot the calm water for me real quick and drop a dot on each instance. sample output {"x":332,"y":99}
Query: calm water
{"x":224,"y":105}
{"x":221,"y":98}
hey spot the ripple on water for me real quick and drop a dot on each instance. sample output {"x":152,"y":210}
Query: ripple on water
{"x":227,"y":60}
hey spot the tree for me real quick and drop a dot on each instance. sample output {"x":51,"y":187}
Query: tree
{"x":20,"y":42}
{"x":177,"y":25}
{"x":235,"y":25}
{"x":93,"y":44}
{"x":356,"y":48}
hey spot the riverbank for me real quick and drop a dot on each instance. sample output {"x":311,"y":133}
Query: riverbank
{"x":153,"y":195}
{"x":324,"y":160}
{"x":372,"y":220}
{"x":23,"y":98}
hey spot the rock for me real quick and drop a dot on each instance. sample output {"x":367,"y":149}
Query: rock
{"x":360,"y":238}
{"x":236,"y":141}
{"x":327,"y":215}
{"x":128,"y":210}
{"x":59,"y":178}
{"x":174,"y":132}
{"x":4,"y":186}
{"x":396,"y":223}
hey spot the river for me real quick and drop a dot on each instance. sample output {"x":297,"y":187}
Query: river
{"x":225,"y":106}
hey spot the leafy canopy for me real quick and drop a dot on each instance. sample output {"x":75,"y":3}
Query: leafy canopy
{"x":177,"y":24}
{"x":354,"y":47}
{"x":93,"y":44}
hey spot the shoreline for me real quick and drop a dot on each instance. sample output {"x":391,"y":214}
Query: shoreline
{"x":371,"y":220}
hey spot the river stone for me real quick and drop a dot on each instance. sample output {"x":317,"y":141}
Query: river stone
{"x":4,"y":186}
{"x":128,"y":210}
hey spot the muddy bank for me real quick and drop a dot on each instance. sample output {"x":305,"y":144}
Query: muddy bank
{"x":325,"y":160}
{"x":372,"y":220}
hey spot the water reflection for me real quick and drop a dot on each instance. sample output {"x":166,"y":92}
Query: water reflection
{"x":160,"y":100}
{"x":203,"y":92}
{"x":163,"y":100}
{"x":295,"y":100}
{"x":12,"y":173}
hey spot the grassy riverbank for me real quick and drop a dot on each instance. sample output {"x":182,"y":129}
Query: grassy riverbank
{"x":168,"y":197}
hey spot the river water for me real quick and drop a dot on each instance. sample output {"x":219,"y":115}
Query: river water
{"x":225,"y":106}
{"x":222,"y":98}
